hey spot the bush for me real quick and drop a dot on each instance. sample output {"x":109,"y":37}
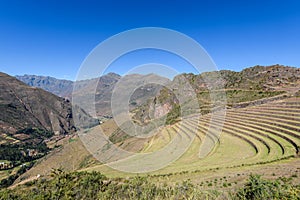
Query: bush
{"x":83,"y":185}
{"x":173,"y":115}
{"x":257,"y":188}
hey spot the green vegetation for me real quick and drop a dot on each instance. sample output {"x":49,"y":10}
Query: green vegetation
{"x":20,"y":153}
{"x":252,"y":136}
{"x":72,"y":140}
{"x":256,"y":135}
{"x":94,"y":185}
{"x":31,"y":146}
{"x":20,"y":156}
{"x":10,"y":179}
{"x":231,"y":97}
{"x":173,"y":115}
{"x":16,"y":158}
{"x":257,"y":188}
{"x":238,"y":96}
{"x":118,"y":136}
{"x":36,"y":133}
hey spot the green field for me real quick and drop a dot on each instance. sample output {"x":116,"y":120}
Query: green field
{"x":263,"y":139}
{"x":251,"y":136}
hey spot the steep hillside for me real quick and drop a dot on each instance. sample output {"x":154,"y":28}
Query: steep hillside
{"x":220,"y":88}
{"x":32,"y":121}
{"x":255,"y":78}
{"x":62,"y":88}
{"x":22,"y":106}
{"x":86,"y":88}
{"x":260,"y":133}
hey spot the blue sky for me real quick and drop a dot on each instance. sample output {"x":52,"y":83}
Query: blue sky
{"x":54,"y":37}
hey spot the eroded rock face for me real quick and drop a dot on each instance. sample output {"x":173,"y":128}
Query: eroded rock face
{"x":186,"y":86}
{"x":22,"y":106}
{"x":103,"y":94}
{"x":161,"y":110}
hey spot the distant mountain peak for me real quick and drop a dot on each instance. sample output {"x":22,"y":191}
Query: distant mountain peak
{"x":22,"y":106}
{"x":112,"y":74}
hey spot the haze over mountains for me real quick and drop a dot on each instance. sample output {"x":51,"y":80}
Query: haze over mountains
{"x":25,"y":109}
{"x":255,"y":78}
{"x":23,"y":106}
{"x":161,"y":125}
{"x":259,"y":77}
{"x":85,"y":88}
{"x":153,"y":101}
{"x":62,"y":88}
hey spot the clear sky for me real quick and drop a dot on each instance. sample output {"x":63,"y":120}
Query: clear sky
{"x":53,"y":37}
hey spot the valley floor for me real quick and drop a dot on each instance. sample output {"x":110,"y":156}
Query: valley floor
{"x":262,"y":139}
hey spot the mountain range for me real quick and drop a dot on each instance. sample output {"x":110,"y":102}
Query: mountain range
{"x":104,"y":86}
{"x":30,"y":115}
{"x":23,"y":106}
{"x":158,"y":100}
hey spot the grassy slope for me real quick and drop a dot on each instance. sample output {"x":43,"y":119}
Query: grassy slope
{"x":236,"y":162}
{"x":240,"y":153}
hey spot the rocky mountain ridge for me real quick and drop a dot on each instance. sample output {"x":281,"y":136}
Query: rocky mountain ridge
{"x":23,"y":106}
{"x":230,"y":89}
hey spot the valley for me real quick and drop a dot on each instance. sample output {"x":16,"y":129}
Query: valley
{"x":149,"y":100}
{"x":260,"y":134}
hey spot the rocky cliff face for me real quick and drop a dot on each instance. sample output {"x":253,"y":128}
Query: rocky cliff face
{"x":142,"y":101}
{"x":255,"y":78}
{"x":103,"y":94}
{"x":188,"y":86}
{"x":22,"y":106}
